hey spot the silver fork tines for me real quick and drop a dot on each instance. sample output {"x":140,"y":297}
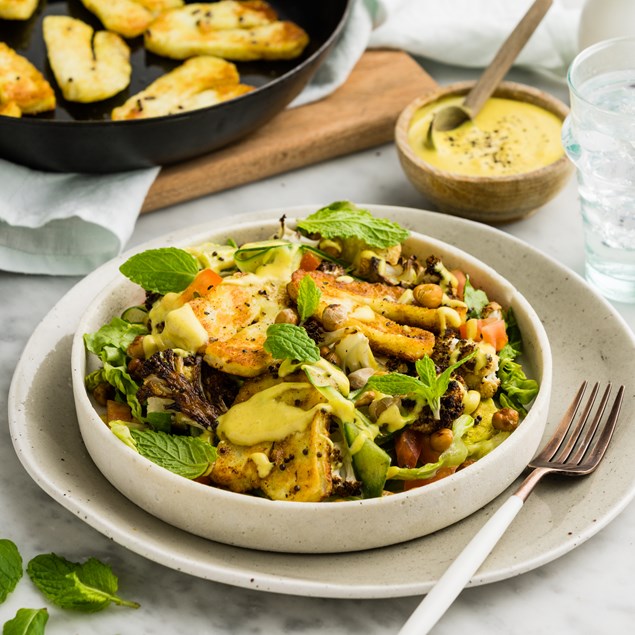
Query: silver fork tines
{"x":578,"y":445}
{"x":576,"y":448}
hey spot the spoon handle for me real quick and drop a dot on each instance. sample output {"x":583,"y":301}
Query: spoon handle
{"x":505,"y":56}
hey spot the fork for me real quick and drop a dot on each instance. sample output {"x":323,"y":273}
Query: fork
{"x":573,"y":450}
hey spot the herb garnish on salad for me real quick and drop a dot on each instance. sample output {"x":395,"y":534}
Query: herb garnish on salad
{"x":324,"y":363}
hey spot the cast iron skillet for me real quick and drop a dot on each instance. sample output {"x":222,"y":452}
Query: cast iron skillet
{"x":81,"y":138}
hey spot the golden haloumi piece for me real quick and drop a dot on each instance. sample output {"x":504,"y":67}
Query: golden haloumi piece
{"x":23,"y":84}
{"x":397,"y":340}
{"x":129,"y":18}
{"x":185,"y":32}
{"x":381,"y":298}
{"x":17,"y":9}
{"x":302,"y":464}
{"x":234,"y":468}
{"x":9,"y":109}
{"x":236,"y":315}
{"x":297,"y":467}
{"x":199,"y":82}
{"x":89,"y":66}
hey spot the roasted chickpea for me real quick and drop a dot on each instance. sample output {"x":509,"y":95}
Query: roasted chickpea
{"x":359,"y":378}
{"x":381,"y":405}
{"x":135,"y":349}
{"x":441,"y":440}
{"x":287,"y":316}
{"x":365,"y":399}
{"x":334,"y":317}
{"x":428,"y":295}
{"x":102,"y":393}
{"x":505,"y":419}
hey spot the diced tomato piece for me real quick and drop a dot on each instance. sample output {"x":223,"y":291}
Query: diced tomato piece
{"x":490,"y":330}
{"x":310,"y":261}
{"x":117,"y":411}
{"x":204,"y":282}
{"x":408,"y":448}
{"x":442,"y":472}
{"x":494,"y":332}
{"x":461,"y":279}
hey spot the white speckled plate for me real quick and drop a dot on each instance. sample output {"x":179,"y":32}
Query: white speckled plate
{"x":588,"y":338}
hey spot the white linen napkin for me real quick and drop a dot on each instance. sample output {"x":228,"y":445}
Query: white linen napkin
{"x":68,"y":224}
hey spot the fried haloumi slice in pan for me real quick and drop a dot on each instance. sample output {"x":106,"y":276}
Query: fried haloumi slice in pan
{"x":23,"y":84}
{"x":17,"y":9}
{"x":89,"y":66}
{"x":199,"y":82}
{"x":191,"y":30}
{"x":129,"y":18}
{"x":9,"y":109}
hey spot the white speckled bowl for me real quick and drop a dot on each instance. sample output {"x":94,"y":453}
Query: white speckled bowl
{"x":247,"y":521}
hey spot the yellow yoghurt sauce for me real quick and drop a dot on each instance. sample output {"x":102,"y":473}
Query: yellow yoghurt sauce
{"x":506,"y":137}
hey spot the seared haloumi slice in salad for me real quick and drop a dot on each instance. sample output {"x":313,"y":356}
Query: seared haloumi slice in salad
{"x":239,"y":31}
{"x":88,"y":66}
{"x":197,"y":83}
{"x":321,"y":364}
{"x":23,"y":88}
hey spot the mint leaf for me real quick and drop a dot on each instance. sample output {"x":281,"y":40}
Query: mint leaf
{"x":87,"y":587}
{"x":161,"y":270}
{"x":27,"y":622}
{"x":476,"y":299}
{"x":435,"y":387}
{"x":345,"y":220}
{"x":190,"y":457}
{"x":309,"y":296}
{"x":287,"y":341}
{"x":10,"y":567}
{"x":394,"y":384}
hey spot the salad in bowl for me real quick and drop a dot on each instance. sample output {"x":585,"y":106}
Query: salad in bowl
{"x":336,"y":363}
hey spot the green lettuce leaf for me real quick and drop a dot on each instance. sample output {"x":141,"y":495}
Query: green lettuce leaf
{"x":110,"y":343}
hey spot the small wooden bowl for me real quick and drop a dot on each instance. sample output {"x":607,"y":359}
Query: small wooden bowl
{"x":482,"y":198}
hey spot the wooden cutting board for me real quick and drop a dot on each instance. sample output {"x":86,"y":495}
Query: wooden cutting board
{"x":359,"y":115}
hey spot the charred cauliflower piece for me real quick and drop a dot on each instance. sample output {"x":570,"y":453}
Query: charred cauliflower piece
{"x":170,"y":376}
{"x":479,"y":373}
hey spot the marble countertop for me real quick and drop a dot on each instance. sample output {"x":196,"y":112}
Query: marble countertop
{"x":588,"y":590}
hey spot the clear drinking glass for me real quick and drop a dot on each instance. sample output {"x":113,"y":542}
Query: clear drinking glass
{"x":599,"y":137}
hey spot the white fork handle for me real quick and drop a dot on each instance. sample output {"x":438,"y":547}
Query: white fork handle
{"x":459,"y":573}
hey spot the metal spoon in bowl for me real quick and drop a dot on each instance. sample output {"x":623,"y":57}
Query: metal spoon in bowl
{"x":452,"y":117}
